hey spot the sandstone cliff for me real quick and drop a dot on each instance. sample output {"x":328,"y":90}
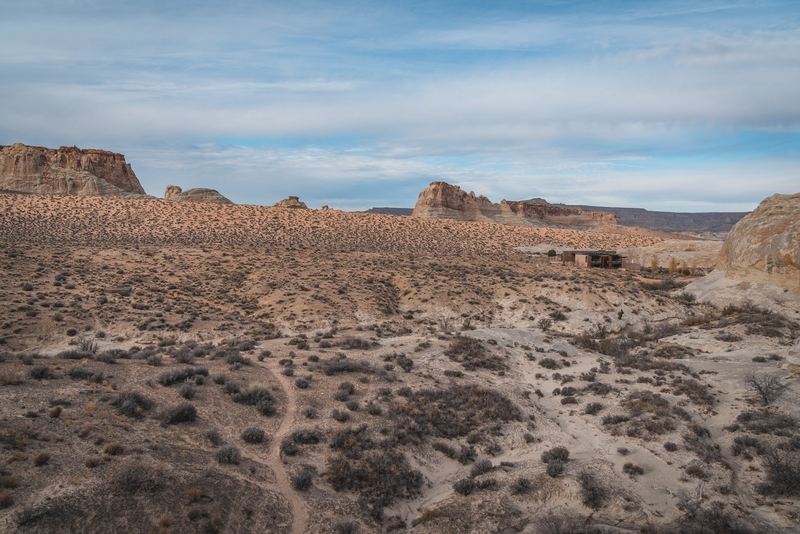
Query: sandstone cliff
{"x":197,"y":194}
{"x":444,"y":201}
{"x":764,"y":247}
{"x":66,"y":171}
{"x":291,"y":202}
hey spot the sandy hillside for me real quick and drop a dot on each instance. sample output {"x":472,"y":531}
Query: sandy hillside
{"x":171,"y":367}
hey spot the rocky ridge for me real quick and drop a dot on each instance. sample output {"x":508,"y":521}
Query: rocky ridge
{"x":667,"y":221}
{"x":197,"y":194}
{"x":444,"y":201}
{"x":67,"y":171}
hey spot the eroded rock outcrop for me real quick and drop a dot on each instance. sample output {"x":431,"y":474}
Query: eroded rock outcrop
{"x":67,"y":171}
{"x":764,"y":247}
{"x":291,"y":202}
{"x":444,"y":201}
{"x":197,"y":194}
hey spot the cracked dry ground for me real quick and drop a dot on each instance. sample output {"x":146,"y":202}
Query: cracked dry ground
{"x":219,"y":388}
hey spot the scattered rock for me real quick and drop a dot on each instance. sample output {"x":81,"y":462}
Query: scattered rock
{"x":291,"y":202}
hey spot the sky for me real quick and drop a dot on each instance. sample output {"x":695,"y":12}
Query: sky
{"x":665,"y":105}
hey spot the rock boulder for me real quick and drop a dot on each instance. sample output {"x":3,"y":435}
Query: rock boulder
{"x":291,"y":202}
{"x":764,"y":247}
{"x":197,"y":194}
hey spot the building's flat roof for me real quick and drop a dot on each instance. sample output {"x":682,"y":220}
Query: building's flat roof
{"x":593,"y":252}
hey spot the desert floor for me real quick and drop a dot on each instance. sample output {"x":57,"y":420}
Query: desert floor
{"x":172,"y":367}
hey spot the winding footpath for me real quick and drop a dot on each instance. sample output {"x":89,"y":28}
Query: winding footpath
{"x":299,"y":512}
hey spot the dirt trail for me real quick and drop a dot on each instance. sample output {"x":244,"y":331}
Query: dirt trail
{"x":299,"y":512}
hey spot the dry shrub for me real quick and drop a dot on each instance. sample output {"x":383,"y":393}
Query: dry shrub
{"x":767,"y":422}
{"x":712,"y":520}
{"x":114,"y":449}
{"x":557,"y":453}
{"x":136,"y":476}
{"x":471,"y":352}
{"x":632,"y":469}
{"x":10,"y":379}
{"x":6,"y":499}
{"x":345,"y":527}
{"x":335,"y":366}
{"x":132,"y":404}
{"x":661,"y":285}
{"x":698,"y":440}
{"x":480,"y":468}
{"x":303,"y":479}
{"x":255,"y":394}
{"x":40,"y":372}
{"x":462,"y":453}
{"x":698,"y":393}
{"x":289,"y":447}
{"x":593,"y":493}
{"x":767,"y":388}
{"x":306,"y":436}
{"x":521,"y":486}
{"x":354,"y":343}
{"x":378,"y":474}
{"x":167,"y":378}
{"x":228,"y":454}
{"x":696,"y":471}
{"x":185,"y":412}
{"x":671,"y":351}
{"x":253,"y":435}
{"x":783,"y":473}
{"x":564,"y":524}
{"x":450,"y":413}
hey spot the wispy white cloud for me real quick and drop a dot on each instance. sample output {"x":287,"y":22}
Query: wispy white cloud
{"x":585,"y":103}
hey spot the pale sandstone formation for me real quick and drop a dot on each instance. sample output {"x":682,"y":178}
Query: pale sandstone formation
{"x":197,"y":194}
{"x":764,"y":247}
{"x":291,"y":202}
{"x":444,"y":201}
{"x":759,"y":261}
{"x":66,"y":171}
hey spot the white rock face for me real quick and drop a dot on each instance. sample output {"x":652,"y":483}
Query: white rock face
{"x":764,"y":247}
{"x":759,"y":261}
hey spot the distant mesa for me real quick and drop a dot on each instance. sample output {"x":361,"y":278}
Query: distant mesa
{"x":444,"y":201}
{"x":406,"y":212}
{"x":667,"y":221}
{"x":197,"y":194}
{"x":291,"y":202}
{"x":67,"y":171}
